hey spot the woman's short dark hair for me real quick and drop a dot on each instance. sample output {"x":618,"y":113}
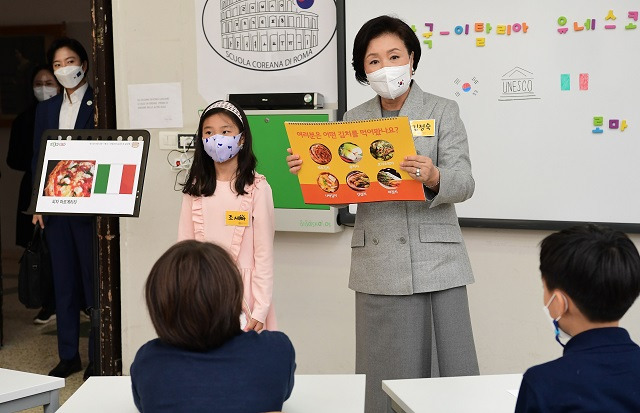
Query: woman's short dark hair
{"x":201,"y":179}
{"x":72,"y":44}
{"x":375,"y":28}
{"x":194,"y":296}
{"x":599,"y":268}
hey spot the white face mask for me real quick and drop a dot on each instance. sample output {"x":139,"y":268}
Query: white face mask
{"x":391,"y":81}
{"x":560,"y":333}
{"x":69,"y":76}
{"x":44,"y":92}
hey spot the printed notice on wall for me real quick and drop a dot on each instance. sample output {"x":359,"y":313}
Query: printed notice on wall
{"x":354,"y":162}
{"x":155,"y":105}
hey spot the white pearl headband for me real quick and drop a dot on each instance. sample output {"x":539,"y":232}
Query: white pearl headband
{"x":223,"y":104}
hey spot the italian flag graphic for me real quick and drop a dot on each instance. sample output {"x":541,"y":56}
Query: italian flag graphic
{"x":115,"y":179}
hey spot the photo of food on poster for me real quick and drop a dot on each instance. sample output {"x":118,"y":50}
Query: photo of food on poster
{"x":354,"y":162}
{"x":91,"y":177}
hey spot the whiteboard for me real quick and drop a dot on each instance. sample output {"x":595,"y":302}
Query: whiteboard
{"x":533,"y":150}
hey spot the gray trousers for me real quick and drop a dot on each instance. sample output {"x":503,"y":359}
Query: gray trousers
{"x":394,"y":339}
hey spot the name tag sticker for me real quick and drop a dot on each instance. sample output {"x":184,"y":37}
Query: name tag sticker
{"x":425,"y":127}
{"x":236,"y":218}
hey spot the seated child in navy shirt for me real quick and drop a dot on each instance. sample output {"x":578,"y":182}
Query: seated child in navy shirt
{"x":590,"y":277}
{"x":202,"y":360}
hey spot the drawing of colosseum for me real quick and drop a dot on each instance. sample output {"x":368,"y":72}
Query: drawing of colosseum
{"x":267,"y":26}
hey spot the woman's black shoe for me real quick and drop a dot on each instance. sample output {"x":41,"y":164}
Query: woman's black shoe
{"x":44,"y":316}
{"x":66,"y":368}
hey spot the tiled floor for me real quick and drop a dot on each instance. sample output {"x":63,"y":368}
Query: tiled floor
{"x":30,"y":347}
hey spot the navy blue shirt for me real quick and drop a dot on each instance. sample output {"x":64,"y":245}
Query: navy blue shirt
{"x":598,"y":372}
{"x":250,"y":373}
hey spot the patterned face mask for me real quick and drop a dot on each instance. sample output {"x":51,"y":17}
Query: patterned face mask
{"x":221,"y":148}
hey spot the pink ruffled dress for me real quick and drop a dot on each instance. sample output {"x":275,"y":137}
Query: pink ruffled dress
{"x":203,"y":219}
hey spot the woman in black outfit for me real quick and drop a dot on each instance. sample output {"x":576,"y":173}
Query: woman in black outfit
{"x":19,"y":157}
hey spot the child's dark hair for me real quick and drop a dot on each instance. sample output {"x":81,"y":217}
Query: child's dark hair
{"x":194,"y":296}
{"x":599,"y":268}
{"x":72,"y":44}
{"x":201,"y":180}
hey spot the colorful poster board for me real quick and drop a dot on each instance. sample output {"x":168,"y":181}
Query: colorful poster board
{"x":354,"y":162}
{"x":91,"y":176}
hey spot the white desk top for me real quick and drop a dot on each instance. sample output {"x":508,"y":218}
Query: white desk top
{"x":478,"y":394}
{"x":336,"y":393}
{"x":102,"y":394}
{"x":311,"y":394}
{"x":19,"y":384}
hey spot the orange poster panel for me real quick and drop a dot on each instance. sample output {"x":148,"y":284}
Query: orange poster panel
{"x":354,"y":162}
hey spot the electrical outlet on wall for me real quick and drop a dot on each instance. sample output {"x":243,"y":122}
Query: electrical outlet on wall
{"x":186,"y":141}
{"x":168,"y":140}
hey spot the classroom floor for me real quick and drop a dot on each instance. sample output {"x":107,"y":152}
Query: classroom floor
{"x":30,"y":347}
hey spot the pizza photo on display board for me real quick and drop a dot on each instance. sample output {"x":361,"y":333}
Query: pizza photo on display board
{"x":69,"y":178}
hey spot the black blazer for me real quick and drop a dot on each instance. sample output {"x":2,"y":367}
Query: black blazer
{"x":19,"y":158}
{"x":48,"y":117}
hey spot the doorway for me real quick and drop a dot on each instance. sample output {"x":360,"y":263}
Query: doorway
{"x":89,"y":23}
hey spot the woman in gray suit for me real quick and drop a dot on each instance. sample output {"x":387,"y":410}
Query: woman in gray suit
{"x":409,"y":264}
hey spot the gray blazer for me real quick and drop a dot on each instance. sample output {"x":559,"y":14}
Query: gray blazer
{"x":401,"y":248}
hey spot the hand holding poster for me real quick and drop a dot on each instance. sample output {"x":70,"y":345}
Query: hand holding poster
{"x":354,"y":162}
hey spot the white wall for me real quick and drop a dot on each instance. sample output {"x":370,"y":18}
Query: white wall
{"x":155,"y":42}
{"x":510,"y":329}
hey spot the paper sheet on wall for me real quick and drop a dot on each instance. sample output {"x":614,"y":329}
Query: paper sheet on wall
{"x":155,"y":105}
{"x":354,"y":162}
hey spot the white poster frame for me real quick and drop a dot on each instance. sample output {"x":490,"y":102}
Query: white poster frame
{"x":109,"y":146}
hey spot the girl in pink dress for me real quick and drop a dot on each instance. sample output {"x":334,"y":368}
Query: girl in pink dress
{"x":226,"y":202}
